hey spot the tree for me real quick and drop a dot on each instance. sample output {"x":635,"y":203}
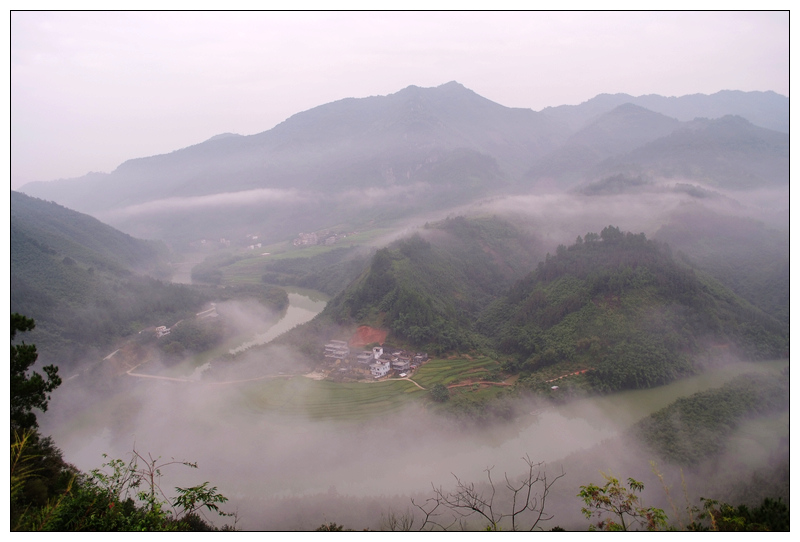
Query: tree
{"x":520,"y":507}
{"x":120,"y":496}
{"x":440,"y":393}
{"x":772,"y":515}
{"x":28,"y":392}
{"x":622,"y":504}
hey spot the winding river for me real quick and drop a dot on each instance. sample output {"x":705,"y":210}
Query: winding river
{"x":302,"y":308}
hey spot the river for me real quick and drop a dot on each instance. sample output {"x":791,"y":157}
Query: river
{"x":302,"y":308}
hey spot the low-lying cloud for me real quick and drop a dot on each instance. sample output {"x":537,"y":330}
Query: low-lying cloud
{"x":212,"y":201}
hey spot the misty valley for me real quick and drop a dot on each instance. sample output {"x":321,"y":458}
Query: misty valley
{"x":415,"y":312}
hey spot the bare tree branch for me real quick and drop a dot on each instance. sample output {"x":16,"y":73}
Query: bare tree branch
{"x":527,"y":501}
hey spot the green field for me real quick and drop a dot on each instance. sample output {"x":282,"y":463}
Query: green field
{"x":451,"y":371}
{"x":252,"y":266}
{"x":248,"y":270}
{"x":324,"y":400}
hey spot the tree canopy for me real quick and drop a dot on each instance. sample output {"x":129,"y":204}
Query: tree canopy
{"x":28,"y":391}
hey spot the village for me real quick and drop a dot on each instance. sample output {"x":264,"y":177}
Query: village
{"x":381,"y":362}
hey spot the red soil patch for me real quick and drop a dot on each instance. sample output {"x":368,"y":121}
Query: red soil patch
{"x":365,"y":335}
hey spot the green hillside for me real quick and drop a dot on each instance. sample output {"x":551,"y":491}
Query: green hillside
{"x":46,"y":225}
{"x":620,"y":306}
{"x":428,"y":289}
{"x":77,"y":278}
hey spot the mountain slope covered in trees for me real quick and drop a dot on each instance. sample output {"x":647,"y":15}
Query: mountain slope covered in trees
{"x":76,"y":277}
{"x":622,"y":307}
{"x":428,"y":289}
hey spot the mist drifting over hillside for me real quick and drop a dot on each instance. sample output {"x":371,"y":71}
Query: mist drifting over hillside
{"x":422,"y":250}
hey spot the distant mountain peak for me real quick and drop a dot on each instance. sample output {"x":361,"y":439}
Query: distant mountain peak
{"x":222,"y":136}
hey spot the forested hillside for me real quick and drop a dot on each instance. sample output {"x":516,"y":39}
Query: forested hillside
{"x":76,"y":277}
{"x":428,"y":289}
{"x":620,"y":306}
{"x":695,"y":428}
{"x":55,"y":230}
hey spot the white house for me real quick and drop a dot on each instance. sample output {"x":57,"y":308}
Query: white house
{"x":365,"y":357}
{"x":380,"y":368}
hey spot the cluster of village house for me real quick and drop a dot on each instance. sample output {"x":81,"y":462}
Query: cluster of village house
{"x":379,"y":362}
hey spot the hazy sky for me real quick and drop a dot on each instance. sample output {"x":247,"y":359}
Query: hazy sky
{"x":90,"y":90}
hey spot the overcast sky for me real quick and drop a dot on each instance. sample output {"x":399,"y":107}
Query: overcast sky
{"x":90,"y":90}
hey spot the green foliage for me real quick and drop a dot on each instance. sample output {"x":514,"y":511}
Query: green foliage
{"x":620,"y":305}
{"x":440,"y":393}
{"x":330,"y":527}
{"x":694,"y":428}
{"x":621,"y":504}
{"x":123,"y":496}
{"x":32,"y":391}
{"x":193,"y":336}
{"x":329,"y":272}
{"x":772,"y":515}
{"x":110,"y":310}
{"x":210,"y":269}
{"x":79,"y":239}
{"x":428,"y":289}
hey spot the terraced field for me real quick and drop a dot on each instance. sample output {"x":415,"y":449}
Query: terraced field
{"x":452,"y":371}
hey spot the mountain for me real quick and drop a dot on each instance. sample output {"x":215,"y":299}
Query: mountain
{"x":429,"y":288}
{"x":420,"y":151}
{"x":729,"y":152}
{"x":54,"y":229}
{"x":765,"y":109}
{"x":618,"y":131}
{"x":80,"y":280}
{"x":621,"y":308}
{"x":345,"y":144}
{"x":617,"y":306}
{"x":744,"y":255}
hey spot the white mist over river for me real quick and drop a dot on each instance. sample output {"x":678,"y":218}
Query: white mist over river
{"x":252,"y":453}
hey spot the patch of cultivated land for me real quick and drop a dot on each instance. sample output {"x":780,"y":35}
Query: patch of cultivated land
{"x":251,"y":268}
{"x":455,"y":370}
{"x":324,"y":400}
{"x":248,"y":270}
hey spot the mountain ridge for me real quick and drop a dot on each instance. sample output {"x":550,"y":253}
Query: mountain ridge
{"x":423,"y":148}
